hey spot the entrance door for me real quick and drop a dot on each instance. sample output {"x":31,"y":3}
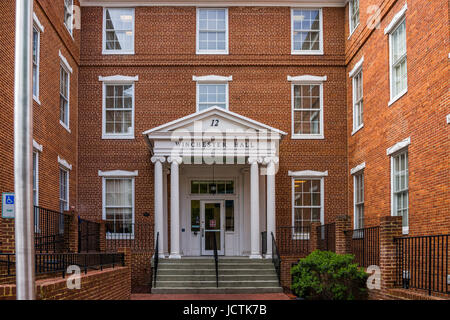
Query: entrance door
{"x":212,"y":226}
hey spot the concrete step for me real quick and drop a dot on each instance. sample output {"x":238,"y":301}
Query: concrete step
{"x":214,"y":290}
{"x":222,"y":284}
{"x":212,"y":271}
{"x":222,"y":278}
{"x":221,"y":260}
{"x":222,"y":265}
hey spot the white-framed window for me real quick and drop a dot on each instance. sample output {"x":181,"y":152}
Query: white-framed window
{"x":398,"y":68}
{"x":36,"y":53}
{"x":358,"y":101}
{"x":306,"y":31}
{"x":63,"y":189}
{"x":212,"y":95}
{"x":118,"y":30}
{"x":358,"y":199}
{"x":212,"y":31}
{"x":353,"y":14}
{"x":307,"y":204}
{"x":118,"y":204}
{"x":64,"y":93}
{"x":68,"y":15}
{"x":118,"y":111}
{"x":400,"y":187}
{"x":35,"y":178}
{"x":307,"y":110}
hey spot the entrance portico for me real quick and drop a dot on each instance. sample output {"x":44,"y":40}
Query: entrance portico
{"x":222,"y":183}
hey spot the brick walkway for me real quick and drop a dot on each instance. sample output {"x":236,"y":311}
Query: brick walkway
{"x":268,"y":296}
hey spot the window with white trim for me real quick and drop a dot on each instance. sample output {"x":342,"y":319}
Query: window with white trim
{"x":64,"y":88}
{"x":212,"y":31}
{"x":118,"y":204}
{"x":358,"y":196}
{"x":400,"y":187}
{"x":36,"y":52}
{"x":63,"y":190}
{"x":35,"y":178}
{"x":353,"y":14}
{"x":307,"y":204}
{"x":307,"y":111}
{"x":307,"y":31}
{"x":398,"y":63}
{"x":68,"y":15}
{"x":118,"y":31}
{"x":212,"y":95}
{"x":118,"y":111}
{"x":358,"y":110}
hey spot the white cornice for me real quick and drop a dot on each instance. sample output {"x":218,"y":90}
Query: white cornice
{"x":358,"y":168}
{"x":118,"y":173}
{"x":37,"y":22}
{"x":356,"y":68}
{"x":65,"y":62}
{"x":64,"y":163}
{"x":213,"y":78}
{"x":398,"y":146}
{"x":308,"y":173}
{"x":213,"y":3}
{"x":307,"y":78}
{"x":396,"y":19}
{"x":118,"y":78}
{"x":37,"y":146}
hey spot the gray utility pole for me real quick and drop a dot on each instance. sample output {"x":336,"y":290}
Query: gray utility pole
{"x":23,"y":150}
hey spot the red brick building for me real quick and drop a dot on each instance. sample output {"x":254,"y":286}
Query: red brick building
{"x":353,"y":95}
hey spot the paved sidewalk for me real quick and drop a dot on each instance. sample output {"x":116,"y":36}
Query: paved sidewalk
{"x":268,"y":296}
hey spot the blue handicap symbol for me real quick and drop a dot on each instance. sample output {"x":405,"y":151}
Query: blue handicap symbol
{"x":9,"y":200}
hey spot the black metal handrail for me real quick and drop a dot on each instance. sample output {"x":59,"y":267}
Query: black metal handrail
{"x":422,"y":263}
{"x":49,"y":228}
{"x":326,"y":237}
{"x":365,"y":245}
{"x":216,"y":260}
{"x":156,"y":260}
{"x":293,"y":240}
{"x":137,"y":236}
{"x":88,"y":236}
{"x":52,"y":263}
{"x":276,"y":259}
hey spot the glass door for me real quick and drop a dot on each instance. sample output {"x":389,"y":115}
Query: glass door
{"x":212,"y":227}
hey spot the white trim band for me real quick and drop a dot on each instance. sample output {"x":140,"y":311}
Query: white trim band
{"x":118,"y":173}
{"x":64,"y":163}
{"x":307,"y":78}
{"x":396,"y":19}
{"x":358,"y":168}
{"x":37,"y":22}
{"x":212,"y":78}
{"x":398,"y":146}
{"x":308,"y":173}
{"x":118,"y":78}
{"x":356,"y":68}
{"x":37,"y":146}
{"x":65,"y":62}
{"x":215,"y":3}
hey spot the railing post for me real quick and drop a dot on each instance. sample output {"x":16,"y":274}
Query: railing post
{"x":102,"y":236}
{"x":314,"y":236}
{"x":71,"y":231}
{"x":342,"y":239}
{"x":390,"y":228}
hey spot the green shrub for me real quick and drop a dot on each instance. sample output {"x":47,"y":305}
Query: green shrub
{"x":325,"y":275}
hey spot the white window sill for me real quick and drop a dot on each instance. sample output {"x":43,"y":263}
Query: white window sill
{"x":352,"y":32}
{"x":393,"y":100}
{"x":307,"y":53}
{"x":357,"y":129}
{"x":213,"y":52}
{"x":105,"y":52}
{"x":37,"y":100}
{"x":65,"y":126}
{"x":405,"y":230}
{"x":68,"y":31}
{"x":119,"y":236}
{"x":300,"y":236}
{"x":117,"y":137}
{"x":307,"y":137}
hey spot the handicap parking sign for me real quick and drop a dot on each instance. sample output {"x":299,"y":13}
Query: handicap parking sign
{"x":8,"y":210}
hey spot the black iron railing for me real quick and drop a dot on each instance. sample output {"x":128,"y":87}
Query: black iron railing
{"x":136,"y":236}
{"x":216,"y":260}
{"x":276,"y":259}
{"x":156,"y":260}
{"x":49,"y":230}
{"x":365,"y":245}
{"x":54,"y":263}
{"x":422,"y":263}
{"x":264,"y":243}
{"x":326,"y":237}
{"x":293,"y":240}
{"x":88,"y":236}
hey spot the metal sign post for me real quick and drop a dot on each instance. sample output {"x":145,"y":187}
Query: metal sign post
{"x":23,"y":148}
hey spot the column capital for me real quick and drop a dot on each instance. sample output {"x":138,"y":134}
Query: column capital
{"x":178,"y":160}
{"x":158,"y":159}
{"x":273,"y":160}
{"x":252,"y":160}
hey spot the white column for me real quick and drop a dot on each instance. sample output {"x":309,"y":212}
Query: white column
{"x":175,"y":207}
{"x":159,"y":209}
{"x":271,"y":224}
{"x":165,"y":213}
{"x":255,"y":252}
